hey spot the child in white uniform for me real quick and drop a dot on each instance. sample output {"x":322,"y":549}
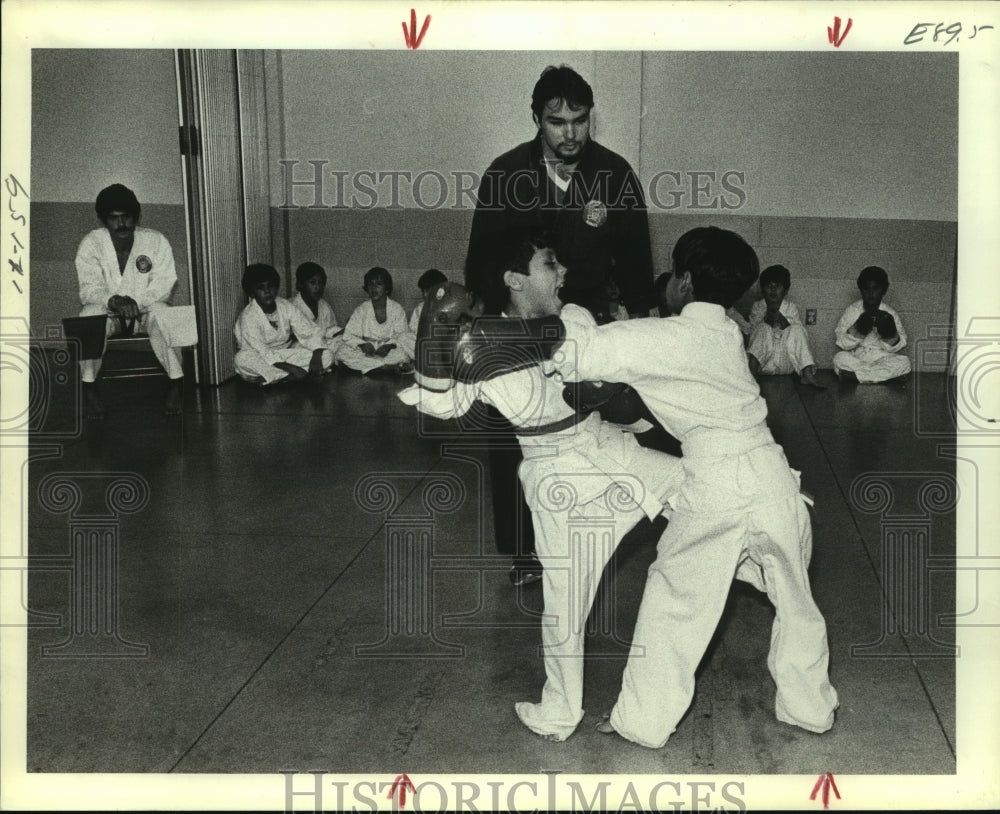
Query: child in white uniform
{"x":373,"y":333}
{"x":408,"y":342}
{"x":310,"y":280}
{"x":572,"y":466}
{"x":739,"y":512}
{"x":871,"y":334}
{"x":274,"y":340}
{"x":779,"y":344}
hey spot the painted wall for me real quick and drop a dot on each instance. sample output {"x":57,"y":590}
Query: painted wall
{"x":847,"y":159}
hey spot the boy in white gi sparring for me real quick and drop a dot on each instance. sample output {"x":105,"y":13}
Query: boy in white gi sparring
{"x":870,"y":335}
{"x":779,"y":344}
{"x":274,"y":340}
{"x":739,"y":511}
{"x":373,"y":333}
{"x":127,"y":272}
{"x":310,"y":280}
{"x":429,"y":278}
{"x":576,"y":469}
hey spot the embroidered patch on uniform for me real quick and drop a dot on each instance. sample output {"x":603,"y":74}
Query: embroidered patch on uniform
{"x":595,"y":213}
{"x":143,"y":264}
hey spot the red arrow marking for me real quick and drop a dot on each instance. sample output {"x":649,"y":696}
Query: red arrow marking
{"x":825,"y":781}
{"x":833,"y":34}
{"x":410,"y":35}
{"x":402,"y":782}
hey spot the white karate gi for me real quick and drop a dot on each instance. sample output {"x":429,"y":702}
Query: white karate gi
{"x":870,"y":359}
{"x":569,"y":479}
{"x":149,"y":279}
{"x":408,"y":341}
{"x":779,"y":351}
{"x":364,"y":327}
{"x":740,"y":320}
{"x":325,"y":322}
{"x":260,"y":345}
{"x":739,"y":513}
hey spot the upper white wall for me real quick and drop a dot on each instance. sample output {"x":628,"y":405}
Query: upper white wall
{"x":861,"y":135}
{"x":870,"y":135}
{"x":104,"y":116}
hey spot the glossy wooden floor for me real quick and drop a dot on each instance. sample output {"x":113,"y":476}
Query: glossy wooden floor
{"x":259,"y":625}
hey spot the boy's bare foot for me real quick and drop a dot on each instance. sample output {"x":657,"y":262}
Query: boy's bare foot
{"x":604,"y":726}
{"x":295,"y":373}
{"x":93,"y":406}
{"x":808,"y":376}
{"x":175,"y":397}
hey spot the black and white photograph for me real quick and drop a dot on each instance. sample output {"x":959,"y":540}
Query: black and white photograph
{"x":499,"y":406}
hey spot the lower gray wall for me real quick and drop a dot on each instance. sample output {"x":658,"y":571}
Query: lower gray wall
{"x":824,"y":256}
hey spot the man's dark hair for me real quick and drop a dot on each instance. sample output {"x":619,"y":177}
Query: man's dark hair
{"x":308,"y":270}
{"x":375,"y":272}
{"x":776,"y":274}
{"x":874,"y":274}
{"x":256,"y":274}
{"x":117,"y":198}
{"x":722,"y":264}
{"x":561,"y":83}
{"x":429,"y":278}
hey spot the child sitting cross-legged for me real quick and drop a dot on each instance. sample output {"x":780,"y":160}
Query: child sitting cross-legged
{"x":373,"y":333}
{"x":310,"y":279}
{"x":778,"y":341}
{"x":267,"y":331}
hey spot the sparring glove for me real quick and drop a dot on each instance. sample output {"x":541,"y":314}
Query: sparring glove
{"x":865,"y":323}
{"x":497,"y":345}
{"x":616,"y":402}
{"x":886,"y":325}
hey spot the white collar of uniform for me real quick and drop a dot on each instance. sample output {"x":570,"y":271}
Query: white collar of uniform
{"x":704,"y":311}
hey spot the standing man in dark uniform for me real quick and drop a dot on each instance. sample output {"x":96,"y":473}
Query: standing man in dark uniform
{"x":589,"y":202}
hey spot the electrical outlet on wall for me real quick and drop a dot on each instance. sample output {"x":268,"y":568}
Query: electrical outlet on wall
{"x":810,"y":316}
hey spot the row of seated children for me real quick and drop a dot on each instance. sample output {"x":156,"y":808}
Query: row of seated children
{"x":870,"y":333}
{"x":282,"y":340}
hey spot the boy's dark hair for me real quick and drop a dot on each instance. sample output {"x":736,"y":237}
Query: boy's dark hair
{"x":722,"y":264}
{"x":661,"y":285}
{"x":429,"y":278}
{"x":117,"y":198}
{"x":776,"y":274}
{"x":377,"y":271}
{"x":508,"y":250}
{"x":308,"y":270}
{"x":561,"y":83}
{"x":874,"y":274}
{"x":258,"y":273}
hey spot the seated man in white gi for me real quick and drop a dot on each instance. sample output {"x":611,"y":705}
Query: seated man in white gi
{"x":577,"y":468}
{"x":127,"y":272}
{"x":870,"y":335}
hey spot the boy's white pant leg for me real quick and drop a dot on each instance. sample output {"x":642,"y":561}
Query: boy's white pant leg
{"x":797,"y":350}
{"x":685,"y":594}
{"x":799,"y":656}
{"x":573,"y":546}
